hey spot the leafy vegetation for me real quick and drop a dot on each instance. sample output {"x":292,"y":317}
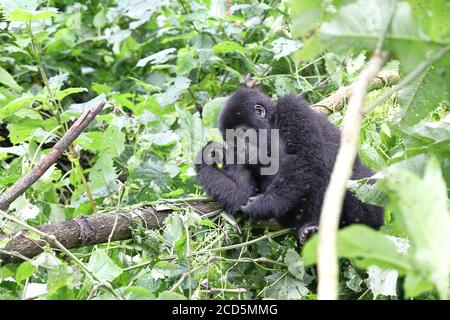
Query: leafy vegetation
{"x":165,"y":68}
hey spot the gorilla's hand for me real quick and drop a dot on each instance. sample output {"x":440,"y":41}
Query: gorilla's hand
{"x":211,"y":154}
{"x":250,"y":208}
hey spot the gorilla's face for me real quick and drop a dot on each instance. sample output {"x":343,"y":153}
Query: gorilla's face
{"x":247,"y":108}
{"x":247,"y":112}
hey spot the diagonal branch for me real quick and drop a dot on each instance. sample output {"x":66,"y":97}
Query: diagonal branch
{"x":31,"y":177}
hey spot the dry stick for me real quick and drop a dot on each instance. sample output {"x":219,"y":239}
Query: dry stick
{"x":27,"y":180}
{"x":337,"y":100}
{"x":342,"y":171}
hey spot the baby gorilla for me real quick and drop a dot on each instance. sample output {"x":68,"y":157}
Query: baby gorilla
{"x":308,"y":144}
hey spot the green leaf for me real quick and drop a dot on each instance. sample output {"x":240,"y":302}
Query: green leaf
{"x":103,"y":266}
{"x":366,"y":246}
{"x":433,"y":16}
{"x":284,"y":47}
{"x":211,"y":111}
{"x":113,"y":141}
{"x":420,"y":206}
{"x":64,"y":93}
{"x":102,"y":177}
{"x":157,"y":58}
{"x":421,"y":96}
{"x":405,"y":38}
{"x":100,"y":19}
{"x":25,"y":270}
{"x":295,"y":263}
{"x":382,"y":282}
{"x":137,"y":293}
{"x":15,"y":105}
{"x":167,"y":295}
{"x":185,"y":62}
{"x":285,"y":287}
{"x":227,"y":47}
{"x":79,"y":108}
{"x":8,"y":80}
{"x":30,"y":15}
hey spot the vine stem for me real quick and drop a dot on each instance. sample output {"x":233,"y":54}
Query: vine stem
{"x":73,"y":157}
{"x":52,"y":239}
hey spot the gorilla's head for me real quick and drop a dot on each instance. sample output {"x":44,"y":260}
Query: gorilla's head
{"x":243,"y":115}
{"x":247,"y":108}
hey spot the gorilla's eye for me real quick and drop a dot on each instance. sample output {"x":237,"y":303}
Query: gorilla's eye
{"x":260,"y":111}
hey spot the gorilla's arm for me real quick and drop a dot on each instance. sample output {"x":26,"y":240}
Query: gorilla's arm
{"x":231,"y":187}
{"x":297,"y":179}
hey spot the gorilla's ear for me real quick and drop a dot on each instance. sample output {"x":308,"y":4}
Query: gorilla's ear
{"x":293,"y":117}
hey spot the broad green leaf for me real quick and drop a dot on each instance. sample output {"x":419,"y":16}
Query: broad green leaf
{"x":25,"y":270}
{"x":185,"y":62}
{"x":100,"y":19}
{"x":285,"y":287}
{"x":8,"y":80}
{"x":306,"y":15}
{"x":137,"y":293}
{"x":113,"y":141}
{"x":29,"y":15}
{"x":295,"y":263}
{"x":283,"y":47}
{"x":433,"y":16}
{"x":167,"y":295}
{"x":162,"y":138}
{"x":405,"y":38}
{"x":103,"y":266}
{"x":421,"y":96}
{"x":64,"y":93}
{"x":382,"y":282}
{"x":79,"y":108}
{"x":227,"y":47}
{"x":15,"y":105}
{"x":436,"y":134}
{"x":157,"y":58}
{"x":173,"y":92}
{"x":420,"y":206}
{"x":211,"y":109}
{"x":365,"y":246}
{"x":102,"y":177}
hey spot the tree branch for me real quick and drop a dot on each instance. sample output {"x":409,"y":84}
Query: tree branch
{"x":27,"y":180}
{"x":337,"y":100}
{"x":90,"y":230}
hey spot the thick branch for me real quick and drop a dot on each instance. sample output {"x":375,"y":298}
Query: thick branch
{"x":96,"y":229}
{"x":337,"y":100}
{"x":27,"y":180}
{"x":90,"y":230}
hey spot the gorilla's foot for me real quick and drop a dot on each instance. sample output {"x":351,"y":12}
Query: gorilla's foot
{"x":305,"y":232}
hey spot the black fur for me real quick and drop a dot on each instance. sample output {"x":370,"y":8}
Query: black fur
{"x":308,"y":148}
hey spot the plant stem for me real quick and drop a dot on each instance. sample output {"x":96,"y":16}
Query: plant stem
{"x":57,"y":112}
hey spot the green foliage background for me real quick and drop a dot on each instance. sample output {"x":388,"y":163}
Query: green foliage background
{"x":165,"y":68}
